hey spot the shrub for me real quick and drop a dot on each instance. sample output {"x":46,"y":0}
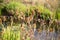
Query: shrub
{"x":15,"y":6}
{"x":57,"y":14}
{"x":45,"y":11}
{"x":1,"y":7}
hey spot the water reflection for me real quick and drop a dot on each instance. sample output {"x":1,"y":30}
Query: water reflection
{"x":46,"y":35}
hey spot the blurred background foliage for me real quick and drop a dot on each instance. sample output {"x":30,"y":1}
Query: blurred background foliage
{"x":16,"y":5}
{"x":47,"y":7}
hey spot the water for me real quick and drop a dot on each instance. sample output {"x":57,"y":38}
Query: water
{"x":46,"y":35}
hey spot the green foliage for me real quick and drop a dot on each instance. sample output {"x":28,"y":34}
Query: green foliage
{"x":45,"y":11}
{"x":11,"y":34}
{"x":1,"y":5}
{"x":15,"y":6}
{"x":42,"y":9}
{"x":0,"y":11}
{"x":29,"y":10}
{"x":1,"y":1}
{"x":57,"y":15}
{"x":1,"y":8}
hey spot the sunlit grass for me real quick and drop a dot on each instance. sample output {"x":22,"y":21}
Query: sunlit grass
{"x":9,"y":34}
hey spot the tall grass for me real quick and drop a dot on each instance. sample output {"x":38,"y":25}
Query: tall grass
{"x":10,"y":34}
